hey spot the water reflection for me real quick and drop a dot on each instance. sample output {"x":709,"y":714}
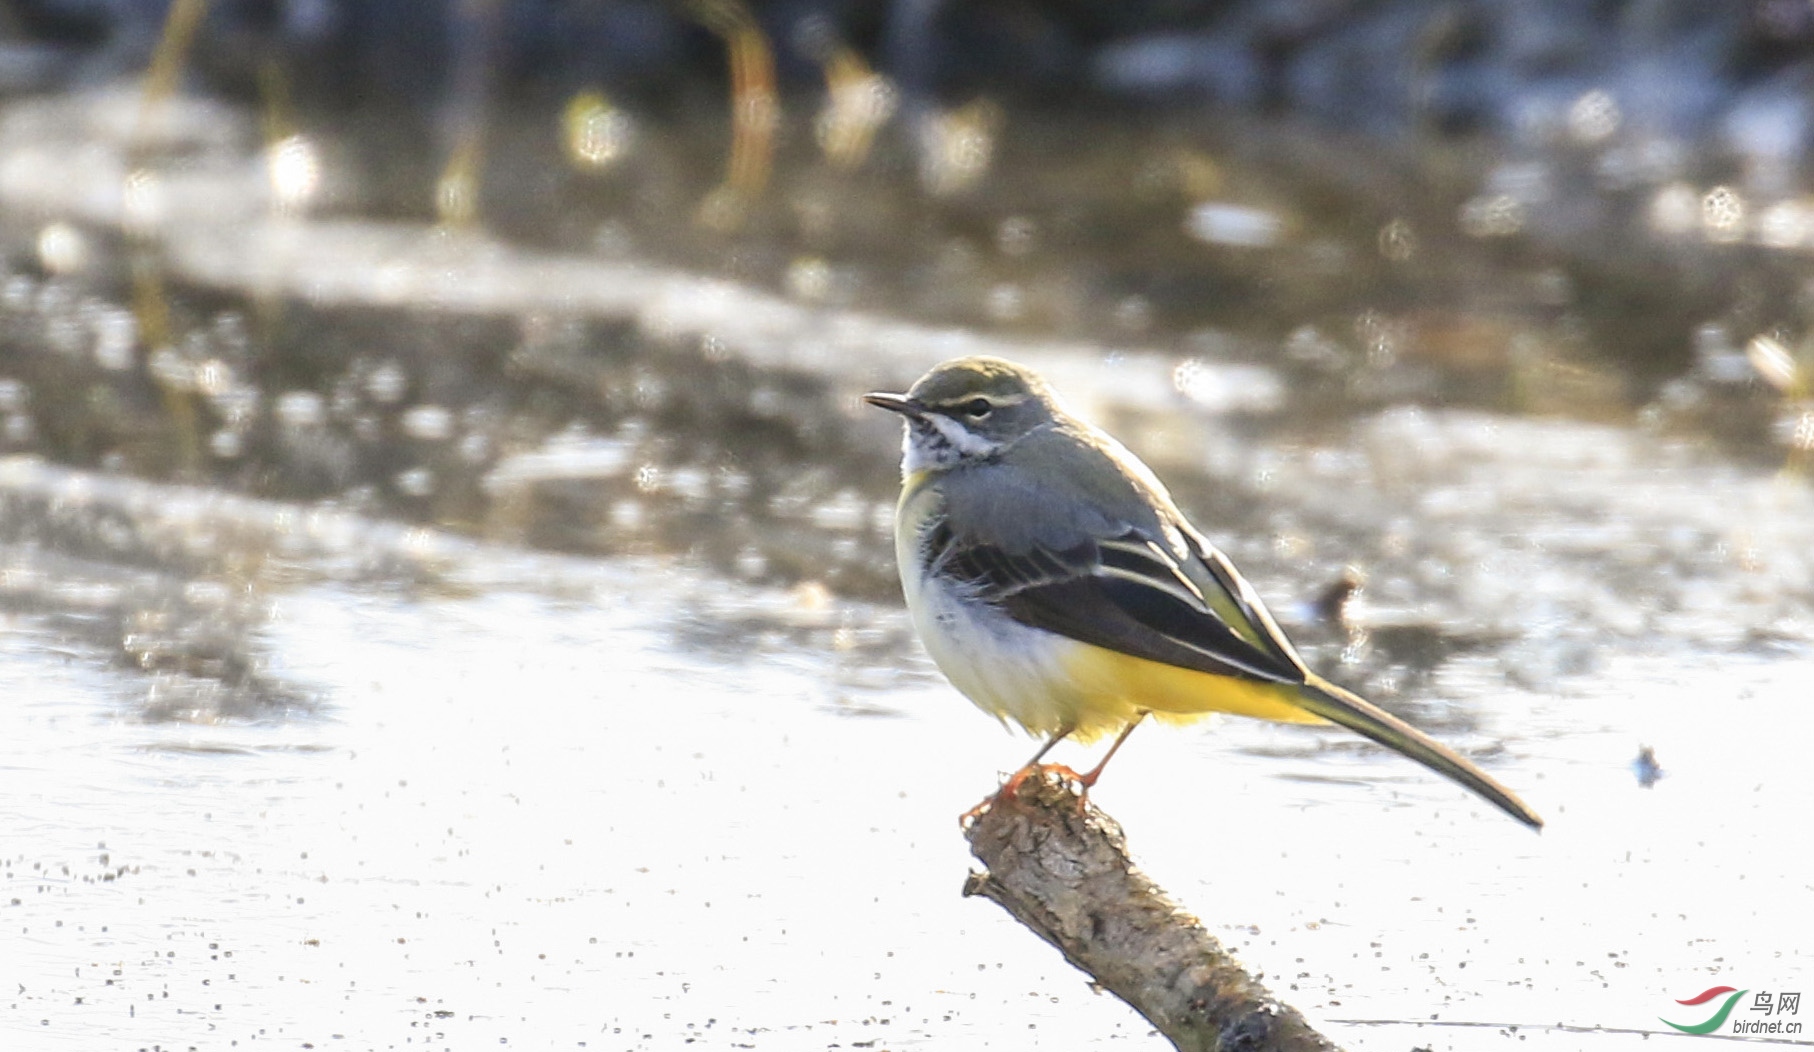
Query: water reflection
{"x":541,"y":819}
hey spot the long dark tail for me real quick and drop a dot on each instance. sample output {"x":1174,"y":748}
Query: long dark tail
{"x":1363,"y":717}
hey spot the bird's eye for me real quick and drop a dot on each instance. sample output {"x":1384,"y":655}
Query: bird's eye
{"x":977,"y":408}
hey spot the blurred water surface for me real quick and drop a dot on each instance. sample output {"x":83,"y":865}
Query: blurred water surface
{"x":421,"y":636}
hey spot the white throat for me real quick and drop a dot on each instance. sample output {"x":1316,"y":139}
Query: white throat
{"x":935,"y":441}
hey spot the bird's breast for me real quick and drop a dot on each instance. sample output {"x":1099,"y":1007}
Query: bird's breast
{"x":1007,"y":669}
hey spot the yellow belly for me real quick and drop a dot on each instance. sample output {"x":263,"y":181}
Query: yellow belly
{"x":1111,"y":687}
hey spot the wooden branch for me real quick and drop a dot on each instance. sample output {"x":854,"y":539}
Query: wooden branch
{"x":1060,"y":867}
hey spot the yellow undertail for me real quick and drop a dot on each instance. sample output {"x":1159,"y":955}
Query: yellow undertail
{"x":1112,"y":688}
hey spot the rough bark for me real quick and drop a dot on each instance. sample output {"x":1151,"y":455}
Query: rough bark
{"x":1060,"y":866}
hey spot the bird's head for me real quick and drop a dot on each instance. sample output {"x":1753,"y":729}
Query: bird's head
{"x":968,"y":410}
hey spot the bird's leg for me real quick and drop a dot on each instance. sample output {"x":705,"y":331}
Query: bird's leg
{"x":1012,"y":785}
{"x":1088,"y":780}
{"x":1060,"y":735}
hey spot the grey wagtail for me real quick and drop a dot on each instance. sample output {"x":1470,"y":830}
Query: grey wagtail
{"x":1055,"y":583}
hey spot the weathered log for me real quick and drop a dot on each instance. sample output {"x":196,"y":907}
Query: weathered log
{"x":1060,"y":866}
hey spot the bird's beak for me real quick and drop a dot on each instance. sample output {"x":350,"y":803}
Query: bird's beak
{"x":895,"y":403}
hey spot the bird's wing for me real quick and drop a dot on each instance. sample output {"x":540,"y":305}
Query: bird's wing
{"x":1128,"y":593}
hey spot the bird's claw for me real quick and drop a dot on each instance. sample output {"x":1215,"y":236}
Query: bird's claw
{"x":1010,"y":789}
